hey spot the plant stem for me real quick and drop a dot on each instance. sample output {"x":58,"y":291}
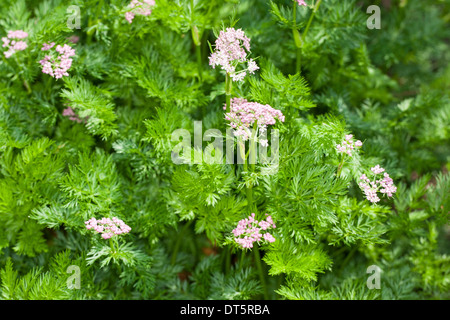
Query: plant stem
{"x":297,"y":38}
{"x":111,"y":244}
{"x":177,"y":244}
{"x":241,"y":261}
{"x":248,"y":190}
{"x":252,"y":160}
{"x":260,"y":271}
{"x":299,"y":57}
{"x":300,"y":39}
{"x":228,"y":260}
{"x":252,"y":145}
{"x":22,"y":68}
{"x":97,"y":13}
{"x":250,"y":198}
{"x":228,"y":88}
{"x":294,"y":15}
{"x":341,"y":165}
{"x":310,"y":19}
{"x":197,"y":42}
{"x":199,"y":61}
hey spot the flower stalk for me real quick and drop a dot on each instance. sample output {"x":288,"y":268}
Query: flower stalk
{"x":197,"y":42}
{"x":25,"y":82}
{"x":299,"y":39}
{"x":228,"y":89}
{"x":261,"y":272}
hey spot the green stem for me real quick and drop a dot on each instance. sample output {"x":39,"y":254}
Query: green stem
{"x":97,"y":13}
{"x":228,"y":88}
{"x":260,"y":271}
{"x":199,"y":61}
{"x":99,"y":8}
{"x":341,"y":165}
{"x":27,"y":86}
{"x":196,"y":38}
{"x":228,"y":260}
{"x":253,"y":146}
{"x":22,"y":68}
{"x":250,"y":198}
{"x":111,"y":244}
{"x":252,"y":160}
{"x":241,"y":261}
{"x":298,"y":63}
{"x":248,"y":190}
{"x":310,"y":19}
{"x":297,"y":38}
{"x":178,"y":243}
{"x":295,"y":15}
{"x":48,"y":85}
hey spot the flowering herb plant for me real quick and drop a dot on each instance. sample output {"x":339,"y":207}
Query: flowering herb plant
{"x":314,"y":148}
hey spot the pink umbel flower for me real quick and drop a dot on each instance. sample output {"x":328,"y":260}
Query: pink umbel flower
{"x":143,"y":8}
{"x":18,"y":34}
{"x":231,"y":49}
{"x":377,"y":169}
{"x":57,"y":63}
{"x":73,"y":39}
{"x":249,"y":230}
{"x":348,"y":146}
{"x":384,"y":185}
{"x":68,"y":112}
{"x":47,"y":46}
{"x":243,"y":115}
{"x":301,"y":2}
{"x":107,"y":227}
{"x":14,"y":43}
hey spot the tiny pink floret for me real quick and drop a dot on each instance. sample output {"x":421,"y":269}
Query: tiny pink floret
{"x":370,"y":188}
{"x":108,"y":227}
{"x":249,"y":230}
{"x":13,"y":41}
{"x":243,"y":115}
{"x":143,"y":8}
{"x":57,"y":64}
{"x":347,"y":146}
{"x":231,"y":49}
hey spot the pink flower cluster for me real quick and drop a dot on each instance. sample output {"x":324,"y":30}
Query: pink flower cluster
{"x":243,"y":114}
{"x":73,"y":39}
{"x":107,"y":227}
{"x":230,"y":51}
{"x":249,"y":230}
{"x":57,"y":65}
{"x":370,"y":188}
{"x":301,"y":3}
{"x":14,"y":43}
{"x":68,"y":112}
{"x":143,"y":8}
{"x":348,"y":145}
